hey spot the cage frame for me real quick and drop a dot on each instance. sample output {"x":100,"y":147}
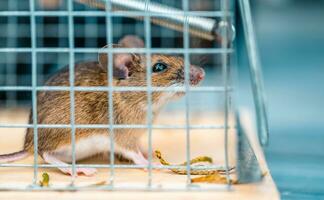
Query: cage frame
{"x":225,"y":50}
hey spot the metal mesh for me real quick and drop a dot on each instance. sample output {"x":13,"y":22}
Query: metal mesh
{"x":71,"y":41}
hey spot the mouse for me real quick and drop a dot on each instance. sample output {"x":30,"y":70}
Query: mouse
{"x":91,"y":107}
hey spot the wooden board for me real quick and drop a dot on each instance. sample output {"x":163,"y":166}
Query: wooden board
{"x":170,"y":142}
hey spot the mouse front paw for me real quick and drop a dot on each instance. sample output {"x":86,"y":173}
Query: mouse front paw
{"x":79,"y":171}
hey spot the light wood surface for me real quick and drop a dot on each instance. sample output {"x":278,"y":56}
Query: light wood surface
{"x":170,"y":142}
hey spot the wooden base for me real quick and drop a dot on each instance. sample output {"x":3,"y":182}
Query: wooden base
{"x":170,"y":142}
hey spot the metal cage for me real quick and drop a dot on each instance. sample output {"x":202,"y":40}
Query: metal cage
{"x":220,"y":28}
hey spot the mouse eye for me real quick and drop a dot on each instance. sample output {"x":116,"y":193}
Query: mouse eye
{"x":159,"y":67}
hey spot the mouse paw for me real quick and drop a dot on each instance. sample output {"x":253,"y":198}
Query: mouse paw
{"x":52,"y":159}
{"x":139,"y":158}
{"x":85,"y":171}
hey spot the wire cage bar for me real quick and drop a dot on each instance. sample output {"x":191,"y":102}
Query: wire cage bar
{"x":189,"y":23}
{"x":34,"y":92}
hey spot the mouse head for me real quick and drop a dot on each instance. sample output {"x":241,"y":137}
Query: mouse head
{"x":166,"y":70}
{"x":170,"y":71}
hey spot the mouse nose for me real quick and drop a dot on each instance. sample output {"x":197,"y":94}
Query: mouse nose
{"x":196,"y":74}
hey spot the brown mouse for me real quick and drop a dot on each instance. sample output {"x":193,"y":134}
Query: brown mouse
{"x":91,"y":107}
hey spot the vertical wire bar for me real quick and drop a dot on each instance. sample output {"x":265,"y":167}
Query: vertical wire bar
{"x":61,"y":37}
{"x":110,"y":97}
{"x":11,"y":67}
{"x":224,"y":8}
{"x":185,"y":7}
{"x":34,"y":85}
{"x":40,"y":43}
{"x":255,"y":73}
{"x":71,"y":80}
{"x":147,"y":27}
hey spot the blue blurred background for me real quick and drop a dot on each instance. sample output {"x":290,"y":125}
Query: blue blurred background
{"x":290,"y":35}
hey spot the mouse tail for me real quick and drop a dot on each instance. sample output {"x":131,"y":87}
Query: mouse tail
{"x":5,"y":158}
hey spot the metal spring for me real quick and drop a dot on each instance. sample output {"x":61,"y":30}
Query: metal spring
{"x":172,"y":18}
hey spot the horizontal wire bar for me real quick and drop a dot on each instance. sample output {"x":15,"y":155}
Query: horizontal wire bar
{"x":136,"y":186}
{"x":197,"y":167}
{"x":120,"y":50}
{"x":115,"y":89}
{"x":116,"y":126}
{"x":118,"y":13}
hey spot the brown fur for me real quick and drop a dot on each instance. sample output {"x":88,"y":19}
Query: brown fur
{"x":53,"y":107}
{"x":92,"y":107}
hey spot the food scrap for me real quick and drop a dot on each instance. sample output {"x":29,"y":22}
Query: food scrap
{"x":210,"y":179}
{"x":45,"y":181}
{"x":210,"y":176}
{"x":198,"y":159}
{"x":213,"y":178}
{"x":192,"y":161}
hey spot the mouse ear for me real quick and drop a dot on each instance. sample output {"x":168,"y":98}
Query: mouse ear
{"x":123,"y":63}
{"x":131,"y":41}
{"x":103,"y":58}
